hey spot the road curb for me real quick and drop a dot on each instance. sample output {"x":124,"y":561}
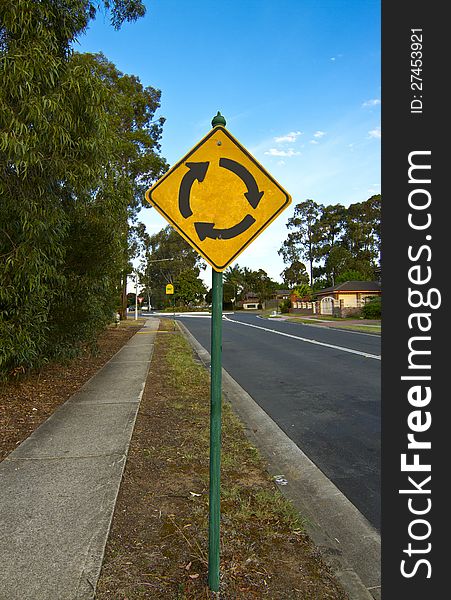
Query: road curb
{"x":348,"y":542}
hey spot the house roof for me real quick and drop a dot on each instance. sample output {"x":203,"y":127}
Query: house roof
{"x":353,"y":286}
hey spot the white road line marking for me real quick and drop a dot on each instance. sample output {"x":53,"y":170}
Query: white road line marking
{"x":296,"y":337}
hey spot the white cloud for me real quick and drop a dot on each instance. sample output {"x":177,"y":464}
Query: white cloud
{"x":333,"y":58}
{"x":317,"y":135}
{"x":276,"y":152}
{"x":372,"y":102}
{"x":375,"y":133}
{"x":289,"y":137}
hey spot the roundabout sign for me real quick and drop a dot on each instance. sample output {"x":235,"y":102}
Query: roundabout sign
{"x":219,"y":198}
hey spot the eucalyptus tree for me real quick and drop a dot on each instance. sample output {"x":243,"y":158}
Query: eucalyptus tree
{"x":264,"y":286}
{"x":295,"y":274}
{"x":328,"y":234}
{"x":302,"y":241}
{"x":167,"y":255}
{"x":334,"y":239}
{"x":54,"y":144}
{"x":361,"y":235}
{"x":136,"y":162}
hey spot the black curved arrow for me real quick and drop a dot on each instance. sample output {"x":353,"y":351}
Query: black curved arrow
{"x":253,"y":194}
{"x":197,"y":170}
{"x":205,"y":230}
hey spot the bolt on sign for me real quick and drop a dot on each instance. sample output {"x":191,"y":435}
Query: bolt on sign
{"x":169,"y":288}
{"x":219,"y":198}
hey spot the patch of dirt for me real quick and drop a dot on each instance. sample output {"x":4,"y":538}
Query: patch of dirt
{"x":158,"y":543}
{"x":26,"y":403}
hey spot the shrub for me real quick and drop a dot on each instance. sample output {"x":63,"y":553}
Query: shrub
{"x":373,"y":308}
{"x":285,"y":306}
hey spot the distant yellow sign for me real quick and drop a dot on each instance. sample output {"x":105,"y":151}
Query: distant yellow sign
{"x":219,"y":198}
{"x":169,"y":288}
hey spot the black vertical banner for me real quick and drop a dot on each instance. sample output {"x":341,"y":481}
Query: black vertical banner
{"x":416,"y":435}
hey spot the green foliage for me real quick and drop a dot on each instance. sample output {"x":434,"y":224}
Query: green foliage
{"x":372,"y":309}
{"x":300,"y":242}
{"x":234,"y":278}
{"x":131,"y":299}
{"x":285,"y":306}
{"x":51,"y":128}
{"x":334,"y":239}
{"x":84,"y":304}
{"x":188,"y":288}
{"x":167,"y":257}
{"x":259,"y":282}
{"x":135,"y":162}
{"x":229,"y":295}
{"x":295,"y":274}
{"x":320,"y":284}
{"x":302,"y":291}
{"x":71,"y":165}
{"x":352,"y":275}
{"x":244,"y":281}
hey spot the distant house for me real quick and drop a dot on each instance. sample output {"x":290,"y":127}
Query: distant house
{"x":342,"y":300}
{"x":347,"y":298}
{"x":250,"y":301}
{"x":280,"y":295}
{"x":276,"y":298}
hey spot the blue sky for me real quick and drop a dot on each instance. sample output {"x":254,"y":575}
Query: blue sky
{"x":298,"y":82}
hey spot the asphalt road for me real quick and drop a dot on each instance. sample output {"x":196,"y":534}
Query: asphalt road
{"x":321,"y":386}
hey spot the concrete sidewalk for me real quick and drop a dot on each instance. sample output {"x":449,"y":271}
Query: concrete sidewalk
{"x":58,"y":489}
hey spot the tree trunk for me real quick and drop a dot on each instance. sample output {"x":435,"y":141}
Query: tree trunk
{"x":123,"y":309}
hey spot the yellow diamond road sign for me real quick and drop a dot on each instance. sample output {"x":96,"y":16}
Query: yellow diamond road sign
{"x":219,"y":198}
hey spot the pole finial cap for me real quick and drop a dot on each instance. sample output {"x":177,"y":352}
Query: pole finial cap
{"x":218,"y":120}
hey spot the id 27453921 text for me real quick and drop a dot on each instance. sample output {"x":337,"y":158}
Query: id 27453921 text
{"x":416,"y":71}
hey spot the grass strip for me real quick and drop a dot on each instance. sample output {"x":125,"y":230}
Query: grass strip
{"x":158,"y":542}
{"x":374,"y":329}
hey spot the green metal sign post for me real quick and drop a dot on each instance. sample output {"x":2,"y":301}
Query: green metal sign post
{"x":187,"y":206}
{"x":215,"y":421}
{"x":215,"y":433}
